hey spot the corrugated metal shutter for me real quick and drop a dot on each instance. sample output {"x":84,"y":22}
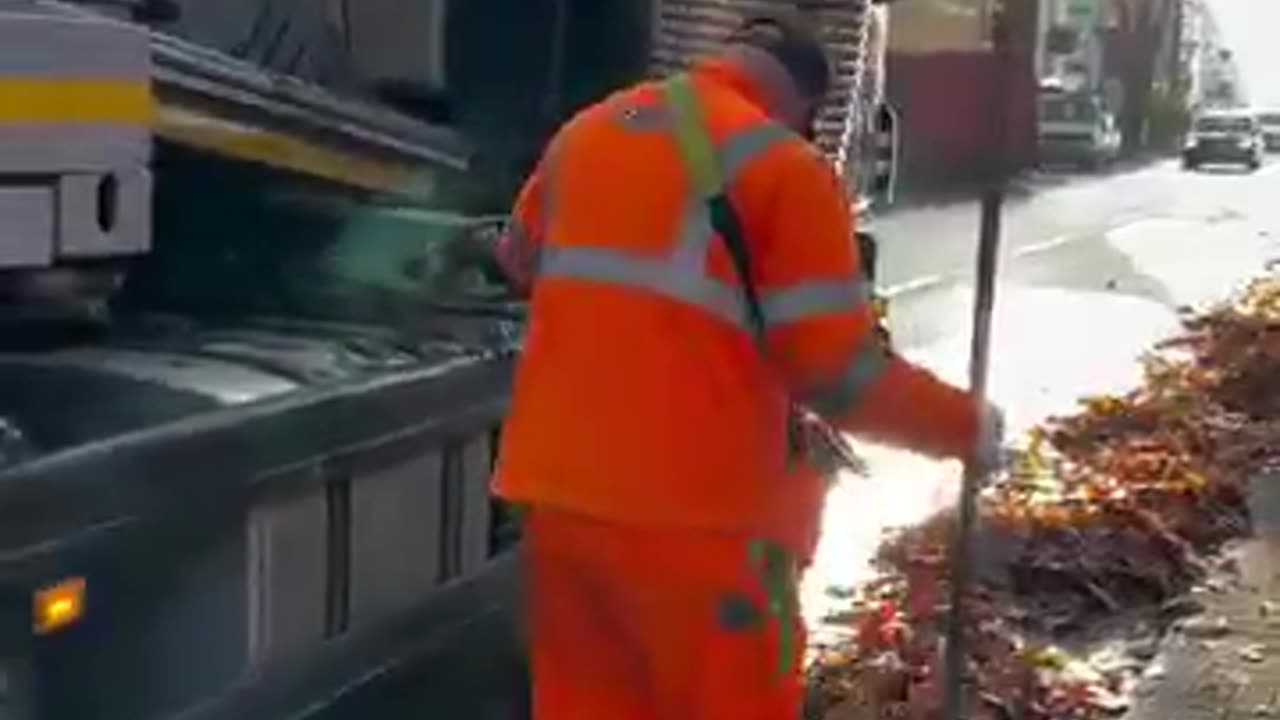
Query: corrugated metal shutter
{"x":686,"y":30}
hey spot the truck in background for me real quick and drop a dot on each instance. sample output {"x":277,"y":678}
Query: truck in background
{"x":255,"y":353}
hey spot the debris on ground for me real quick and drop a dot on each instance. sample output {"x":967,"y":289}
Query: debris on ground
{"x":1255,"y":653}
{"x":1119,"y":508}
{"x":1206,"y":628}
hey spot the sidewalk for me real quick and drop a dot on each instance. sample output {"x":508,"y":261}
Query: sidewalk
{"x":1225,"y":663}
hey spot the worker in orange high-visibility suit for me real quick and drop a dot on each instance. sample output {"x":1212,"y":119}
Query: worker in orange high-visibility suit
{"x":648,"y":437}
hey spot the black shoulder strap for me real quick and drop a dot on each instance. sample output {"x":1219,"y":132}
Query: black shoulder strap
{"x":724,"y":220}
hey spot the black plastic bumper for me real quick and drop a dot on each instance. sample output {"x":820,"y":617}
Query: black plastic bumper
{"x":1215,"y":155}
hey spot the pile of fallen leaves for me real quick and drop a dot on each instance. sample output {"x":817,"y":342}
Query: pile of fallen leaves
{"x":1112,"y":510}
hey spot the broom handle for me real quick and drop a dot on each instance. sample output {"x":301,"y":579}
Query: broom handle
{"x":955,"y":669}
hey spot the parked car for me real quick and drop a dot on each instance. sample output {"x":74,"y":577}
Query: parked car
{"x":1225,"y":138}
{"x":1271,"y":129}
{"x":1076,"y":129}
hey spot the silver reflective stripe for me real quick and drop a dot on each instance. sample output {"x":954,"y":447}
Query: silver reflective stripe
{"x":742,"y":146}
{"x":863,"y":371}
{"x":811,"y":299}
{"x":693,"y":239}
{"x":611,"y":267}
{"x":792,"y":304}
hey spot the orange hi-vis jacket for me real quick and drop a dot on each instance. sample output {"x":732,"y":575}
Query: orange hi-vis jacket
{"x":642,"y":395}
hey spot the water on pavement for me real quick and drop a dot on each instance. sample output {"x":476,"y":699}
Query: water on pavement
{"x":1074,"y":316}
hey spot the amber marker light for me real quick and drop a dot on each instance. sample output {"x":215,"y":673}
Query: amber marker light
{"x":57,"y":606}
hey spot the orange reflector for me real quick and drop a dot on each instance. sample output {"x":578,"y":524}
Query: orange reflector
{"x":57,"y":606}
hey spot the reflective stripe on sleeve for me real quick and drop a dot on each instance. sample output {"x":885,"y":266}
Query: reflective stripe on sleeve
{"x":813,"y":299}
{"x":863,"y":370}
{"x":742,"y":146}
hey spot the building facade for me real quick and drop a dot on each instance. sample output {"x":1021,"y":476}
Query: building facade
{"x":943,"y":79}
{"x":1070,"y":44}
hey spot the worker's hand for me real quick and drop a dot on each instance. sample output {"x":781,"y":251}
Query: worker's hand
{"x":989,"y":455}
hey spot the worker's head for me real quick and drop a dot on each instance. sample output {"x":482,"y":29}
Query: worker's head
{"x":782,"y":52}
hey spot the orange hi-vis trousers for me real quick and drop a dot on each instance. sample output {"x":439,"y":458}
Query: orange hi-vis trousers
{"x":640,"y":623}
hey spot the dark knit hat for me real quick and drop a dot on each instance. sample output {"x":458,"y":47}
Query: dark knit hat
{"x":793,"y":40}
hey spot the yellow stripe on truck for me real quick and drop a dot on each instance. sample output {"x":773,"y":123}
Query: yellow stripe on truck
{"x":249,"y":143}
{"x":38,"y":101}
{"x":41,"y":100}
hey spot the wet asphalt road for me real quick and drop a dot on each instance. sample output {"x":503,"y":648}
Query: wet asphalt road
{"x":1094,"y":270}
{"x":1093,"y":273}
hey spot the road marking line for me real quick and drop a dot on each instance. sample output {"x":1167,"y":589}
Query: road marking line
{"x":1043,"y":246}
{"x":921,"y":283}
